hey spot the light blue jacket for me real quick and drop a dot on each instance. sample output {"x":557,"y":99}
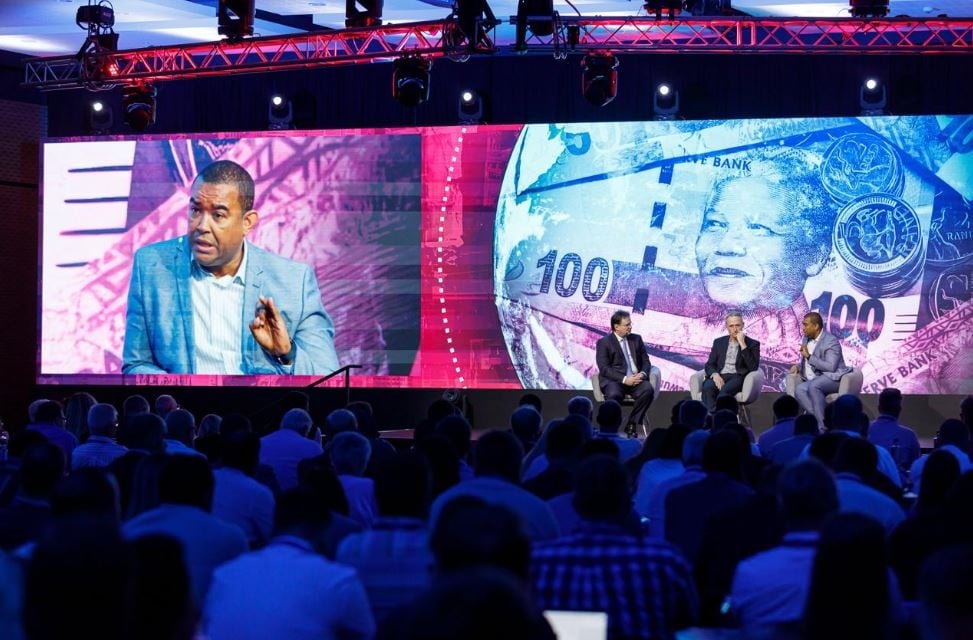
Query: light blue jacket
{"x":827,"y":359}
{"x":159,"y":320}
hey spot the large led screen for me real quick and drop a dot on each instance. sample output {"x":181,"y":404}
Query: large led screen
{"x":494,"y":256}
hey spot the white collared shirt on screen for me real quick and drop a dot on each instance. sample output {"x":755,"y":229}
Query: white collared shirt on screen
{"x":218,"y":319}
{"x":808,"y":369}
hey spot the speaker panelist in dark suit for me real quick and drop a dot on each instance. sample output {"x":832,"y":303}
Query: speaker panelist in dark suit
{"x":623,"y":368}
{"x":732,"y":357}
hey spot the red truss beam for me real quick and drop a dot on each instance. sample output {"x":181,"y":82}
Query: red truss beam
{"x":440,"y":38}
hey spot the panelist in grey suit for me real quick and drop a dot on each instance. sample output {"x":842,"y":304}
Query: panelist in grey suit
{"x":211,"y":303}
{"x":821,"y":368}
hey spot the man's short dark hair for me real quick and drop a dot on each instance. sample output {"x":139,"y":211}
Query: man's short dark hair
{"x":723,"y":417}
{"x":815,"y":318}
{"x":50,"y":413}
{"x":890,"y":402}
{"x":847,"y":412}
{"x":609,"y":417}
{"x":350,"y":452}
{"x":241,"y":450}
{"x":601,"y":490}
{"x":526,"y":422}
{"x":721,"y":453}
{"x":564,"y":440}
{"x":164,"y":404}
{"x":692,"y":413}
{"x":618,"y":316}
{"x":966,"y":411}
{"x":135,"y":405}
{"x":365,"y":417}
{"x":727,"y":403}
{"x":41,"y":467}
{"x":228,"y":172}
{"x":671,"y":448}
{"x":102,"y":419}
{"x":858,"y":456}
{"x":470,"y":533}
{"x":403,"y":486}
{"x":498,"y":453}
{"x":580,"y":406}
{"x":144,"y":431}
{"x":186,"y":480}
{"x":807,"y":494}
{"x":339,"y":421}
{"x":786,"y":406}
{"x":301,"y":512}
{"x":825,"y":446}
{"x":181,"y":426}
{"x":457,"y":430}
{"x":954,"y":432}
{"x":533,"y":400}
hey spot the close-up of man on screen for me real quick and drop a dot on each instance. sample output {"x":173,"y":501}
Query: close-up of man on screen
{"x":210,"y":302}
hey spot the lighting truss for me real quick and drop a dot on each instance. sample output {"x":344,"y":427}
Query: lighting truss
{"x":434,"y":39}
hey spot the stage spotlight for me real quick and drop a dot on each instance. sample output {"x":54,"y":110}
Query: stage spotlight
{"x":872,"y":97}
{"x":665,"y":102}
{"x":235,"y":18}
{"x":867,"y":8}
{"x":370,"y":14}
{"x":138,"y":102}
{"x":100,"y":117}
{"x":672,"y":7}
{"x":98,"y":20}
{"x":599,"y":78}
{"x":411,"y":80}
{"x":470,"y":107}
{"x":280,"y":113}
{"x":536,"y":14}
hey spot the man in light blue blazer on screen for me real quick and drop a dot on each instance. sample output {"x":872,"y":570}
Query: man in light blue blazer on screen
{"x":211,"y":303}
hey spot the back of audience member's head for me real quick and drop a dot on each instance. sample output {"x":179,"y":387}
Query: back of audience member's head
{"x":470,"y":533}
{"x":340,"y":421}
{"x":601,"y":490}
{"x":652,"y":446}
{"x":481,"y":603}
{"x":966,"y":411}
{"x":602,"y":447}
{"x":609,"y":416}
{"x":525,"y":422}
{"x":890,"y":402}
{"x":442,"y":461}
{"x":41,"y":467}
{"x":186,"y":480}
{"x":581,"y":421}
{"x":21,"y":440}
{"x":181,"y":426}
{"x":846,"y":413}
{"x":144,"y":490}
{"x":671,"y":448}
{"x":87,"y":492}
{"x":498,"y":454}
{"x":564,"y":442}
{"x":241,"y":451}
{"x":439,"y":409}
{"x":939,"y":474}
{"x":741,"y":431}
{"x":531,"y":400}
{"x":164,"y":405}
{"x":692,"y":448}
{"x":102,"y":420}
{"x":294,"y":399}
{"x":674,"y":412}
{"x":457,"y":430}
{"x":786,"y":406}
{"x":365,"y":418}
{"x":954,"y":432}
{"x":234,"y":422}
{"x":300,"y":512}
{"x":723,"y":417}
{"x":123,"y":469}
{"x":857,"y":456}
{"x":33,"y":407}
{"x":727,"y":403}
{"x":807,"y":494}
{"x":805,"y":425}
{"x":210,"y":425}
{"x":50,"y":412}
{"x":581,"y":406}
{"x":692,"y":414}
{"x":350,"y":452}
{"x":317,"y":476}
{"x":721,"y":454}
{"x":145,"y":432}
{"x":849,"y":591}
{"x":825,"y":446}
{"x":78,"y":584}
{"x":76,"y":413}
{"x":134,"y":405}
{"x":296,"y":420}
{"x":162,"y":608}
{"x":945,"y":594}
{"x":402,"y":486}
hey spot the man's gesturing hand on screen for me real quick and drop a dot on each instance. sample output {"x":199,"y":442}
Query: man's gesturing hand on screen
{"x":269,"y":330}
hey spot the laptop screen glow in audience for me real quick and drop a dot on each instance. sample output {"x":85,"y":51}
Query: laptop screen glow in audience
{"x":578,"y":625}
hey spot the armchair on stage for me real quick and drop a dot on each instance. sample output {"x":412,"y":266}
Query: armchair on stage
{"x":752,"y":384}
{"x":851,"y":383}
{"x":655,"y":379}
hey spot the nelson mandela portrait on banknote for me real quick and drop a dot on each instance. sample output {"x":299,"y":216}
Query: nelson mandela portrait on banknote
{"x":681,"y":222}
